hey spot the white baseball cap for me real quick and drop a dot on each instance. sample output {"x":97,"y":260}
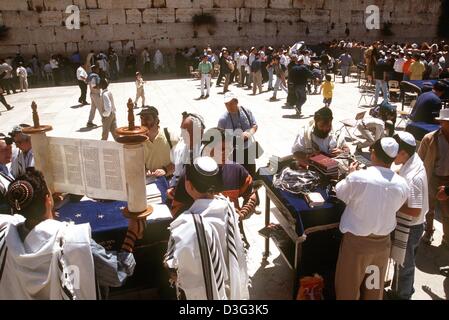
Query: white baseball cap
{"x":390,"y":147}
{"x":229,"y":96}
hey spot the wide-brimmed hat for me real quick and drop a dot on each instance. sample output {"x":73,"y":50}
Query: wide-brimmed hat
{"x":444,"y":115}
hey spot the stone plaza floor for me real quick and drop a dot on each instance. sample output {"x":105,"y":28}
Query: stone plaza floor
{"x":278,"y":125}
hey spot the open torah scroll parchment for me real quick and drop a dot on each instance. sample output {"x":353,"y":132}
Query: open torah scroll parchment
{"x":88,"y":167}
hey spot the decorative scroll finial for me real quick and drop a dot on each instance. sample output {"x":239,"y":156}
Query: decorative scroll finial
{"x":36,"y":123}
{"x":131,"y":125}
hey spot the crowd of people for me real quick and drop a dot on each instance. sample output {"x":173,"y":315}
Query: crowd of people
{"x":211,"y":176}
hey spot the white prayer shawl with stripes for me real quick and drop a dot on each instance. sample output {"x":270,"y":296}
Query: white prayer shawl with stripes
{"x":220,"y":271}
{"x":411,"y":169}
{"x":54,"y":262}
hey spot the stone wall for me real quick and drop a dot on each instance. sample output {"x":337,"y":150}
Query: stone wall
{"x":37,"y":26}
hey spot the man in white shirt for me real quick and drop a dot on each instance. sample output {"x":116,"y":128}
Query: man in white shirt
{"x":108,"y":118}
{"x":251,"y":58}
{"x":146,"y":61}
{"x":54,"y":65}
{"x":318,"y":137}
{"x":411,"y":216}
{"x":399,"y":67}
{"x":372,"y":198}
{"x":372,"y":129}
{"x":22,"y":74}
{"x":241,"y":65}
{"x":24,"y":158}
{"x":81,"y":76}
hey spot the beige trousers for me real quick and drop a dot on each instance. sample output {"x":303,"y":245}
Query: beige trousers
{"x":361,"y":267}
{"x":140,"y":94}
{"x":257,"y":81}
{"x":109,"y":125}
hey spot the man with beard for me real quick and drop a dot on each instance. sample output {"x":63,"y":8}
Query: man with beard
{"x":317,"y":137}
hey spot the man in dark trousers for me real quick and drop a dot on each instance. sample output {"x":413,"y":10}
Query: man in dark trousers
{"x":81,"y":76}
{"x":299,"y":76}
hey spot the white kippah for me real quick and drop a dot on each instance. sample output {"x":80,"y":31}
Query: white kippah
{"x":390,"y":147}
{"x":206,"y":166}
{"x":407,"y":138}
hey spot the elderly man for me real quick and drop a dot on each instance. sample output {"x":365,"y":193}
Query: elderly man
{"x":434,"y":151}
{"x":24,"y":158}
{"x":411,"y":215}
{"x":372,"y":198}
{"x":158,"y":148}
{"x":188,"y":147}
{"x":318,"y":137}
{"x":243,"y":125}
{"x":5,"y":177}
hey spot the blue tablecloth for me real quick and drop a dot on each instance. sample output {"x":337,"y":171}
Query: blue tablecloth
{"x":420,"y":129}
{"x":423,"y":83}
{"x":306,"y":216}
{"x":102,"y":216}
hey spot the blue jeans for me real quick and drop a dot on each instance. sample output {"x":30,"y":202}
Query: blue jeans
{"x":344,"y":72}
{"x":381,"y":85}
{"x":406,"y":276}
{"x":301,"y":96}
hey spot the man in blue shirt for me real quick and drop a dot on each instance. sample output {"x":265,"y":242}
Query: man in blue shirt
{"x":428,"y":104}
{"x":243,"y":125}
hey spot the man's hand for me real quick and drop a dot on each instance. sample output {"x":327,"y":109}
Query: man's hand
{"x":335,"y":152}
{"x":171,"y":193}
{"x":157,"y":173}
{"x":246,"y":135}
{"x":242,"y":214}
{"x":441,"y":195}
{"x":354,"y":167}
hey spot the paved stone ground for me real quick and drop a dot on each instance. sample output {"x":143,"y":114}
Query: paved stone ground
{"x":271,"y":279}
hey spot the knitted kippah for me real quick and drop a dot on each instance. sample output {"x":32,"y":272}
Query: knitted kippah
{"x":20,"y":194}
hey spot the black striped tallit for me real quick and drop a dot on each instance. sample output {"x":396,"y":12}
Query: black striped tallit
{"x":216,"y":262}
{"x":3,"y":251}
{"x":231,"y":232}
{"x":204,"y":254}
{"x":66,"y":293}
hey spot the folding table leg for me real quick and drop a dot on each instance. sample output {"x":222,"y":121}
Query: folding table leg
{"x":267,"y":222}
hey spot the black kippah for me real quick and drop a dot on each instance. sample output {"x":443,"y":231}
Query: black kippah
{"x":324,"y":113}
{"x":20,"y":194}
